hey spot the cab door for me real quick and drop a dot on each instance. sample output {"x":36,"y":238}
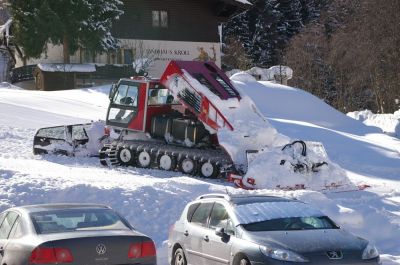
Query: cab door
{"x":127,"y":105}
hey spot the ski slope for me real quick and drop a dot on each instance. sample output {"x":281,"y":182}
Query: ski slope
{"x":152,"y":200}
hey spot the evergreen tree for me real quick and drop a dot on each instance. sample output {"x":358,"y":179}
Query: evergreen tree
{"x":266,"y":28}
{"x":292,"y":17}
{"x":70,"y":23}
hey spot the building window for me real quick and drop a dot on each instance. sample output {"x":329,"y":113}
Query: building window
{"x":160,"y":19}
{"x":128,"y":56}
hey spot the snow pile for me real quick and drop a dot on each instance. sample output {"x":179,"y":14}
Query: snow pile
{"x":70,"y":68}
{"x":389,"y":123}
{"x":298,"y":114}
{"x":273,"y":73}
{"x":267,"y":168}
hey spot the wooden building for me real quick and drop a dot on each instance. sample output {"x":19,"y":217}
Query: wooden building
{"x":49,"y":76}
{"x":162,"y":30}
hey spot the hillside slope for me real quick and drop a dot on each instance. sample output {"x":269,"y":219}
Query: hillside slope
{"x":351,"y":144}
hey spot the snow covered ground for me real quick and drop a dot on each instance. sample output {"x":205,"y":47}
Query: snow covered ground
{"x":152,"y":200}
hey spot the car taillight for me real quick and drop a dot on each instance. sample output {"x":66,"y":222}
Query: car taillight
{"x":148,"y":249}
{"x":50,"y":255}
{"x":135,"y":251}
{"x":141,"y":250}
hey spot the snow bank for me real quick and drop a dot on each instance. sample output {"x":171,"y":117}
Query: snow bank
{"x":266,"y":168}
{"x":52,"y":108}
{"x":78,"y":68}
{"x":389,"y":123}
{"x":349,"y":143}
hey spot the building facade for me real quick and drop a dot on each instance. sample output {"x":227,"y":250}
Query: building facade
{"x":154,"y":32}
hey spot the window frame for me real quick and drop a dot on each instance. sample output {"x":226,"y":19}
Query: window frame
{"x":196,"y":206}
{"x":160,"y":19}
{"x":11,"y":225}
{"x":17,"y":224}
{"x":229,"y":219}
{"x":207,"y":220}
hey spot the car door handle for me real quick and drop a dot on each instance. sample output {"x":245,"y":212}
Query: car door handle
{"x":186,"y":233}
{"x":2,"y":251}
{"x":206,"y":238}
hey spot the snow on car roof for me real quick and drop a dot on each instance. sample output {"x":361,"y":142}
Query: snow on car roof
{"x":258,"y":212}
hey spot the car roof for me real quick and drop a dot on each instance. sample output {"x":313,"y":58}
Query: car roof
{"x":240,"y":199}
{"x":58,"y":206}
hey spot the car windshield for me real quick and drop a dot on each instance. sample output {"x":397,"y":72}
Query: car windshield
{"x":68,"y":220}
{"x":292,"y":223}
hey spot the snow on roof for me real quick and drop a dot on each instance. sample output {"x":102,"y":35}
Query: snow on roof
{"x":243,"y":2}
{"x":6,"y":27}
{"x":258,"y":212}
{"x":5,"y":30}
{"x":59,"y":67}
{"x":271,"y":73}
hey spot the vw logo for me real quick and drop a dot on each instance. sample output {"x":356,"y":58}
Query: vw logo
{"x":335,"y":254}
{"x":101,"y":249}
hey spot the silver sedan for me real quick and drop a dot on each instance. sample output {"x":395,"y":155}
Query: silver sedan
{"x":71,"y":234}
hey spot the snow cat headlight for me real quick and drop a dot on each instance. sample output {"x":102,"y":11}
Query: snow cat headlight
{"x":282,"y":254}
{"x":370,"y":252}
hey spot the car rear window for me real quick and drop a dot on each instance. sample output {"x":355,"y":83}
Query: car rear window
{"x":292,"y":223}
{"x":69,"y":220}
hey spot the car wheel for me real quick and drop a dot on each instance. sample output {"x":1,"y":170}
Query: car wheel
{"x":244,"y":261}
{"x":125,"y":157}
{"x":179,"y":257}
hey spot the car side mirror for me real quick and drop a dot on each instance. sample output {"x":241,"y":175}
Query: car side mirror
{"x":220,"y":231}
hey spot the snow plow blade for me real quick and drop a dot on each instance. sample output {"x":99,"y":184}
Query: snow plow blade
{"x":69,"y":140}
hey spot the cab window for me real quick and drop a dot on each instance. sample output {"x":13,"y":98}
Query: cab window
{"x":160,"y":97}
{"x":220,"y":219}
{"x":126,"y":95}
{"x":200,"y":216}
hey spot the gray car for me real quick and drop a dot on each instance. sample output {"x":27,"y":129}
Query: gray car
{"x":243,"y":230}
{"x":81,"y":234}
